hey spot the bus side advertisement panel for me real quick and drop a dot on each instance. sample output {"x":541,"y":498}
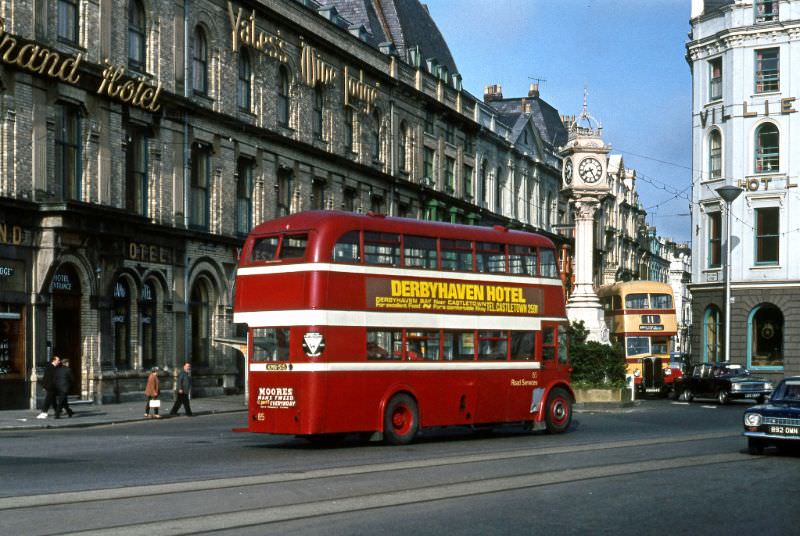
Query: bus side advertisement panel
{"x":436,"y":296}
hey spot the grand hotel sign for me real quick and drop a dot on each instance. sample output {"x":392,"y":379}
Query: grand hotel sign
{"x":37,"y":59}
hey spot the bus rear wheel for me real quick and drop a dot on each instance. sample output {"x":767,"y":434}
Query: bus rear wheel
{"x":559,"y":411}
{"x":400,"y":420}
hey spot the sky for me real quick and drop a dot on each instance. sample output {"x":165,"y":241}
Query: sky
{"x":628,"y":54}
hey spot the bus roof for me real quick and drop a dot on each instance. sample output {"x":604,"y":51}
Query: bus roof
{"x":622,"y":288}
{"x":333,"y":224}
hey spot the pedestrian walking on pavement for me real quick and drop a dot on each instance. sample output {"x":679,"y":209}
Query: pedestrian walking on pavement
{"x":183,"y":389}
{"x":62,"y":383}
{"x":64,"y":402}
{"x":151,"y":393}
{"x":49,"y":387}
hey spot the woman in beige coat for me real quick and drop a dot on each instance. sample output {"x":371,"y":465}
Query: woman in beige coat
{"x":151,"y":393}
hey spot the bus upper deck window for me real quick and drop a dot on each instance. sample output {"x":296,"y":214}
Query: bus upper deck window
{"x":456,"y":255}
{"x":636,"y":301}
{"x":347,"y":249}
{"x":547,"y":263}
{"x":522,"y":260}
{"x":294,"y":246}
{"x":264,"y":249}
{"x":382,"y":248}
{"x":661,"y":301}
{"x":491,"y":258}
{"x":419,"y":252}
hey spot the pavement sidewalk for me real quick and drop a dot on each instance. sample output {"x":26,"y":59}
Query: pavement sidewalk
{"x":88,"y":414}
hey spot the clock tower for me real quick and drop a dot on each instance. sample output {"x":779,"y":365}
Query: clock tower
{"x":586,"y":182}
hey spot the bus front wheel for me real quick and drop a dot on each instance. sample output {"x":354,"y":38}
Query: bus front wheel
{"x":559,"y":411}
{"x":401,"y":420}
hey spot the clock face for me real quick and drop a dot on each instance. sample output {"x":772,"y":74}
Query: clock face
{"x":590,"y":170}
{"x":568,"y":172}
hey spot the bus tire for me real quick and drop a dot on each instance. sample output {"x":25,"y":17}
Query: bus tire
{"x":400,"y":420}
{"x":558,"y":414}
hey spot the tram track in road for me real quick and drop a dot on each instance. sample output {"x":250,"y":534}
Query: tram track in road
{"x":133,"y":492}
{"x":197,"y":524}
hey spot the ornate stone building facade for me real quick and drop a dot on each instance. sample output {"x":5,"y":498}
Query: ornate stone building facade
{"x":744,"y":94}
{"x":140,"y":140}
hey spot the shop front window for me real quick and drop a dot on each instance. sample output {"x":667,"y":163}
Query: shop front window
{"x":765,"y":337}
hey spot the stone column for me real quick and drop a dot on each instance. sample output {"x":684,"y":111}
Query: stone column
{"x":583,"y":304}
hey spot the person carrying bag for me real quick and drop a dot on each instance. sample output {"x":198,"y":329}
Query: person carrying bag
{"x":151,"y":394}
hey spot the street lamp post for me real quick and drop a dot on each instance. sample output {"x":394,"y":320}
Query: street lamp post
{"x":728,"y":194}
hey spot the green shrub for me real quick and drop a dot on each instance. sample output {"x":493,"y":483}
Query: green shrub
{"x":594,"y":364}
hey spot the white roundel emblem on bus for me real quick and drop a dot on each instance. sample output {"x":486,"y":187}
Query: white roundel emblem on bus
{"x":313,"y":343}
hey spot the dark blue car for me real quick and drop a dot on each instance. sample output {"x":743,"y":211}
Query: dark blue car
{"x":778,"y":421}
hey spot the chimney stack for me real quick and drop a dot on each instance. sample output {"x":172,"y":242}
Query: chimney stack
{"x":493,"y":93}
{"x":534,"y":90}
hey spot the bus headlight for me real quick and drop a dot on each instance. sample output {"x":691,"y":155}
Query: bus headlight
{"x":752,"y":419}
{"x":637,"y":373}
{"x":667,"y":372}
{"x":768,"y":385}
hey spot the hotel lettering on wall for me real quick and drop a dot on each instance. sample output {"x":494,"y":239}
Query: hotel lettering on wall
{"x":151,"y":253}
{"x":722,"y":113}
{"x":37,"y":59}
{"x":314,"y":69}
{"x":11,"y":235}
{"x":244,"y":32}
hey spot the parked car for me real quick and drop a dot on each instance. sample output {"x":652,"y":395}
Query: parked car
{"x":778,"y":421}
{"x":723,"y":381}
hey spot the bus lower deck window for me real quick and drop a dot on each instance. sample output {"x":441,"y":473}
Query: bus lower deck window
{"x":270,"y":344}
{"x":384,"y":344}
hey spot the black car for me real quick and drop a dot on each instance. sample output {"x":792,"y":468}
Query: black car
{"x":723,"y":381}
{"x":778,"y":421}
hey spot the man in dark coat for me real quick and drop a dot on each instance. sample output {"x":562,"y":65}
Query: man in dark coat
{"x":49,"y":387}
{"x":183,"y":388}
{"x":62,"y":382}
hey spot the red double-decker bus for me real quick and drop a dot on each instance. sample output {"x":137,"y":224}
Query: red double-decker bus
{"x":365,"y":323}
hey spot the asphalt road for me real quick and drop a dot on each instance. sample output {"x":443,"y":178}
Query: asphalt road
{"x":658,"y":468}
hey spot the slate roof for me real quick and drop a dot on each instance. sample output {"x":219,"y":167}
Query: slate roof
{"x":546,"y":118}
{"x":405,"y":23}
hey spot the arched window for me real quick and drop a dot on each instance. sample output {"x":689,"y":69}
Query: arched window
{"x":715,"y":155}
{"x":200,"y":61}
{"x":200,"y":313}
{"x":767,"y":149}
{"x":403,"y":147}
{"x":376,"y":135}
{"x":137,"y":39}
{"x":245,"y":81}
{"x":283,"y":97}
{"x":711,"y":335}
{"x":121,"y":321}
{"x":317,"y":112}
{"x":148,"y":319}
{"x":765,"y":337}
